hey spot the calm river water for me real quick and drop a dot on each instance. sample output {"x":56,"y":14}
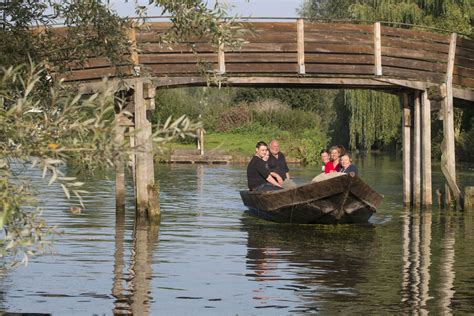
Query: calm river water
{"x":207,"y":257}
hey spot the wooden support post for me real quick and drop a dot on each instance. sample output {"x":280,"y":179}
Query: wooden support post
{"x":146,"y":198}
{"x":221,"y":58}
{"x":427,"y":197}
{"x":377,"y":49}
{"x":406,"y":138}
{"x":200,"y":141}
{"x":119,"y":169}
{"x":448,"y":159}
{"x":417,"y":151}
{"x":300,"y":44}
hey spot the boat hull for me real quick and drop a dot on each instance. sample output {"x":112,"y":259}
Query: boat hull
{"x":344,"y":199}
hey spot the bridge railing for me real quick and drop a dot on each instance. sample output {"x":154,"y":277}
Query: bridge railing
{"x":315,"y":49}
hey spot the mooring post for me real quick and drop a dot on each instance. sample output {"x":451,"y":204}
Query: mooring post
{"x":146,"y":195}
{"x":119,"y":169}
{"x":417,"y":151}
{"x":406,"y":138}
{"x":427,"y":196}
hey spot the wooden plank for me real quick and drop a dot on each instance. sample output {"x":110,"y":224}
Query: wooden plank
{"x":270,"y":26}
{"x":414,"y":34}
{"x":406,"y":140}
{"x":427,"y":195}
{"x":338,"y":38}
{"x":178,"y":58}
{"x":464,"y":62}
{"x":464,"y":72}
{"x":339,"y":58}
{"x":463,"y":81}
{"x":413,"y":64}
{"x":133,"y":45}
{"x":464,"y":94}
{"x":413,"y":54}
{"x":262,"y":68}
{"x":342,"y":48}
{"x":413,"y":84}
{"x":417,"y":151}
{"x":464,"y":52}
{"x":377,"y":50}
{"x":96,"y":73}
{"x":307,"y":81}
{"x":339,"y":69}
{"x":465,"y":43}
{"x":176,"y":68}
{"x":178,"y":48}
{"x":300,"y":41}
{"x":413,"y":74}
{"x":337,"y":27}
{"x":414,"y":45}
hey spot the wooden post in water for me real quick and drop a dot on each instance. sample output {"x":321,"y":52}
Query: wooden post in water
{"x":406,"y":138}
{"x":427,"y":195}
{"x":146,"y":196}
{"x":119,"y":169}
{"x":448,"y":159}
{"x":417,"y":151}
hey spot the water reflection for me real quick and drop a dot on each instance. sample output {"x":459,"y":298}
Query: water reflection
{"x":136,"y":299}
{"x":317,"y":263}
{"x":416,"y":260}
{"x":446,"y":267}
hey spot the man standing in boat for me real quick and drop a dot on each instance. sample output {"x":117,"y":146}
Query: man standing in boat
{"x":277,"y":164}
{"x":258,"y":175}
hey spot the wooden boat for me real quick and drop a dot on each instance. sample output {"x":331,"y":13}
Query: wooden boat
{"x":341,"y":199}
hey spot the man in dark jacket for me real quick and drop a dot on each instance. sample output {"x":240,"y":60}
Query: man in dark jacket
{"x":258,"y":175}
{"x":277,"y":164}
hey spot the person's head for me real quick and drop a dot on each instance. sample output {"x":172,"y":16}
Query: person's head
{"x":261,"y":149}
{"x":335,"y":153}
{"x":274,"y":147}
{"x":345,"y":160}
{"x":267,"y":155}
{"x":324,"y":155}
{"x":342,"y":150}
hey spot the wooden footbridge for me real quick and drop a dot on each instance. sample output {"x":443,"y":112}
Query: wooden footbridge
{"x":430,"y":71}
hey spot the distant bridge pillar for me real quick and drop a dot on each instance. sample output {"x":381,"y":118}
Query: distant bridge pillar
{"x":407,"y":133}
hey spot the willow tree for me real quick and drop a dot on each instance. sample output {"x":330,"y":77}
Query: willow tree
{"x":375,"y":116}
{"x":42,"y":123}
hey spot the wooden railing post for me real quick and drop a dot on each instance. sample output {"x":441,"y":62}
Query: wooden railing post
{"x":406,"y":138}
{"x":221,"y":58}
{"x":300,"y":44}
{"x":377,"y":50}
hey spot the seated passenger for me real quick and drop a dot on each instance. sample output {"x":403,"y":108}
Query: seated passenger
{"x":324,"y":158}
{"x":346,"y":165}
{"x":333,"y":165}
{"x":277,"y":165}
{"x":258,"y":174}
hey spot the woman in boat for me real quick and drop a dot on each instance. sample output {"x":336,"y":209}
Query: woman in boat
{"x":333,"y":165}
{"x":324,"y":158}
{"x":346,"y":165}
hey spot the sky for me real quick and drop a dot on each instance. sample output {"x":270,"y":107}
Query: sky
{"x":244,"y":8}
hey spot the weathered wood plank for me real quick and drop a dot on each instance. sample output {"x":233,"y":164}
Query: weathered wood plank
{"x":176,"y":68}
{"x":186,"y":58}
{"x":337,"y":27}
{"x":413,"y":74}
{"x":413,"y":64}
{"x":463,"y":72}
{"x":414,"y":34}
{"x":96,"y":73}
{"x":178,"y":48}
{"x":465,"y":43}
{"x":339,"y":69}
{"x":411,"y":54}
{"x":342,"y":48}
{"x":339,"y":58}
{"x":414,"y":45}
{"x":262,"y":68}
{"x":464,"y":62}
{"x":338,"y":38}
{"x":463,"y":81}
{"x":464,"y":52}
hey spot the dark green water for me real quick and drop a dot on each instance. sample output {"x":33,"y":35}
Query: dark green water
{"x":207,"y":257}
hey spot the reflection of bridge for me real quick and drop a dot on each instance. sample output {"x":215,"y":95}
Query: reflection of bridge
{"x":429,"y":70}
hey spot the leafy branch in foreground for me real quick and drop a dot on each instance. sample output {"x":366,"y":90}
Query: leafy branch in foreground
{"x":45,"y":131}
